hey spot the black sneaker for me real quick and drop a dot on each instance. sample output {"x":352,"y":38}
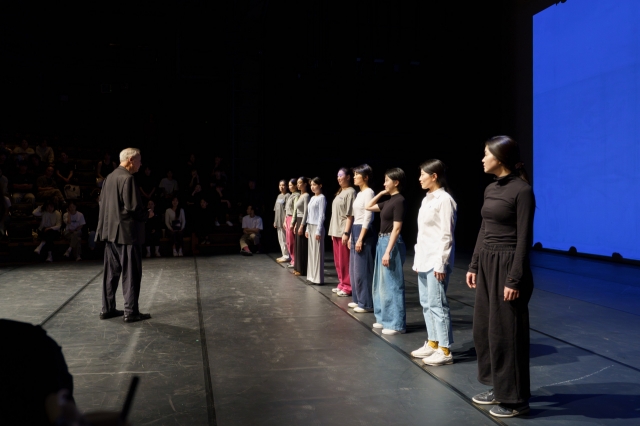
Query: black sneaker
{"x":511,"y":410}
{"x":485,"y":398}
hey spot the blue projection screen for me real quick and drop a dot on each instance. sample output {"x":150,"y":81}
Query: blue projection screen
{"x":586,"y":126}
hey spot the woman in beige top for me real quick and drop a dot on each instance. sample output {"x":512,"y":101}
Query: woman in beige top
{"x":340,"y":229}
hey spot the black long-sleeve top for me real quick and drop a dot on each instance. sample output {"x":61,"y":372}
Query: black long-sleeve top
{"x":507,"y":218}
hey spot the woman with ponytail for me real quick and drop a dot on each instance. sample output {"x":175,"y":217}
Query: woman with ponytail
{"x":501,"y":274}
{"x":433,"y":261}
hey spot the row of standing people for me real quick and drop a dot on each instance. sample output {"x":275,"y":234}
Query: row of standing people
{"x":370,"y":265}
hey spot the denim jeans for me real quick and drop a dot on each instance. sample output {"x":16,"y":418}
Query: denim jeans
{"x":388,"y":286}
{"x":435,"y":307}
{"x":361,"y":267}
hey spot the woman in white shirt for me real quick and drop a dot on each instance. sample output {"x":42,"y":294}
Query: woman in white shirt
{"x":175,"y":222}
{"x":433,"y":262}
{"x":362,"y":243}
{"x":315,"y":233}
{"x":279,"y":220}
{"x":49,"y":229}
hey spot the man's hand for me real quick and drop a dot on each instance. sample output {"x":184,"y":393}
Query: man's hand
{"x":510,"y":294}
{"x":471,"y":280}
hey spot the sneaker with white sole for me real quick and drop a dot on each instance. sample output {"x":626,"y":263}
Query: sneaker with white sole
{"x":485,"y":398}
{"x":438,"y":358}
{"x":343,"y":293}
{"x":423,"y":352}
{"x":175,"y":253}
{"x":361,"y":310}
{"x":377,"y":325}
{"x":180,"y":253}
{"x":335,"y":289}
{"x":67,"y":253}
{"x":510,"y":410}
{"x":352,"y":305}
{"x":391,"y":332}
{"x":50,"y":257}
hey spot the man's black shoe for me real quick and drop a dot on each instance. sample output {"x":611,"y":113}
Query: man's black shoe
{"x":136,"y":317}
{"x":111,"y":314}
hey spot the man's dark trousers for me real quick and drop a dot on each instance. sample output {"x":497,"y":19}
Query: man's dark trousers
{"x":125,"y":260}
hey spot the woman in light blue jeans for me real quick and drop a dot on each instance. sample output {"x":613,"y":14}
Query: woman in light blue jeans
{"x":433,"y":261}
{"x":388,"y":277}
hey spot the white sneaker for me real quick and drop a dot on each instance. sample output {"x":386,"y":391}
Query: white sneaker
{"x":229,"y":223}
{"x":377,"y":325}
{"x":361,"y":310}
{"x":423,"y":352}
{"x":68,"y":252}
{"x":352,"y":305}
{"x":158,"y":252}
{"x":439,"y":358}
{"x":148,"y":251}
{"x":50,"y":257}
{"x":175,"y":253}
{"x":180,"y":253}
{"x":37,"y":250}
{"x":342,"y":294}
{"x":390,"y":332}
{"x":335,"y":290}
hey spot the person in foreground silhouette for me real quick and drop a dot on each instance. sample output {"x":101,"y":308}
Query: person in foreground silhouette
{"x":36,"y":387}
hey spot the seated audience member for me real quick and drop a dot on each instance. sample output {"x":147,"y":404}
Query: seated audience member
{"x":202,"y":225}
{"x":251,"y":227}
{"x":169,"y":186}
{"x":5,"y":206}
{"x":192,"y":164}
{"x":4,"y":150}
{"x":6,"y":165}
{"x":47,"y":186}
{"x":221,"y":203}
{"x":35,"y":167}
{"x":147,"y":185}
{"x":195,"y":195}
{"x":4,"y":184}
{"x":22,"y":151}
{"x":49,"y":229}
{"x":175,"y":222}
{"x":73,"y":221}
{"x":22,"y":185}
{"x":195,"y":180}
{"x":36,"y":388}
{"x":64,"y":170}
{"x":44,"y":151}
{"x":153,"y":230}
{"x":104,"y":168}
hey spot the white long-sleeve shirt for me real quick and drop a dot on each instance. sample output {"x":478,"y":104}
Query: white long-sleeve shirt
{"x":436,"y":222}
{"x":170,"y":216}
{"x":362,"y":216}
{"x":316,"y":210}
{"x":51,"y":220}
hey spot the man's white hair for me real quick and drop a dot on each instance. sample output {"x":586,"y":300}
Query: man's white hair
{"x":128,"y":153}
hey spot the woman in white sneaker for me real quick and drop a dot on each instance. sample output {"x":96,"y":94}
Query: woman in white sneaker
{"x":340,"y":229}
{"x":279,"y":220}
{"x":433,"y":261}
{"x":175,"y":221}
{"x":362,"y":243}
{"x":315,"y":233}
{"x":388,"y":277}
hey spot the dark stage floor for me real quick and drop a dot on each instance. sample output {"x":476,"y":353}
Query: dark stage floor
{"x":241,"y":341}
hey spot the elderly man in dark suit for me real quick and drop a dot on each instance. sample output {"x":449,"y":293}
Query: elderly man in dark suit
{"x":121,"y":225}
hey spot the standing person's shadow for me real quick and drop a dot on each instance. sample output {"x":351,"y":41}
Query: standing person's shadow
{"x":610,"y":400}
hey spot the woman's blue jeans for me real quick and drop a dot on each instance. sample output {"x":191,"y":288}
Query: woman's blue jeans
{"x":388,"y":286}
{"x":435,"y":307}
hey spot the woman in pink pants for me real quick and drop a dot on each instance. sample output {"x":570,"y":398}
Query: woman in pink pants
{"x":290,"y":220}
{"x":340,"y":229}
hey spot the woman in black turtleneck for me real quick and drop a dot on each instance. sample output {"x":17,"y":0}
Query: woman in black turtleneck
{"x":501,"y":274}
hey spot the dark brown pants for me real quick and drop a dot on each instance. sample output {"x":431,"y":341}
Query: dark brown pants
{"x":125,"y":260}
{"x":501,"y":329}
{"x":302,"y":250}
